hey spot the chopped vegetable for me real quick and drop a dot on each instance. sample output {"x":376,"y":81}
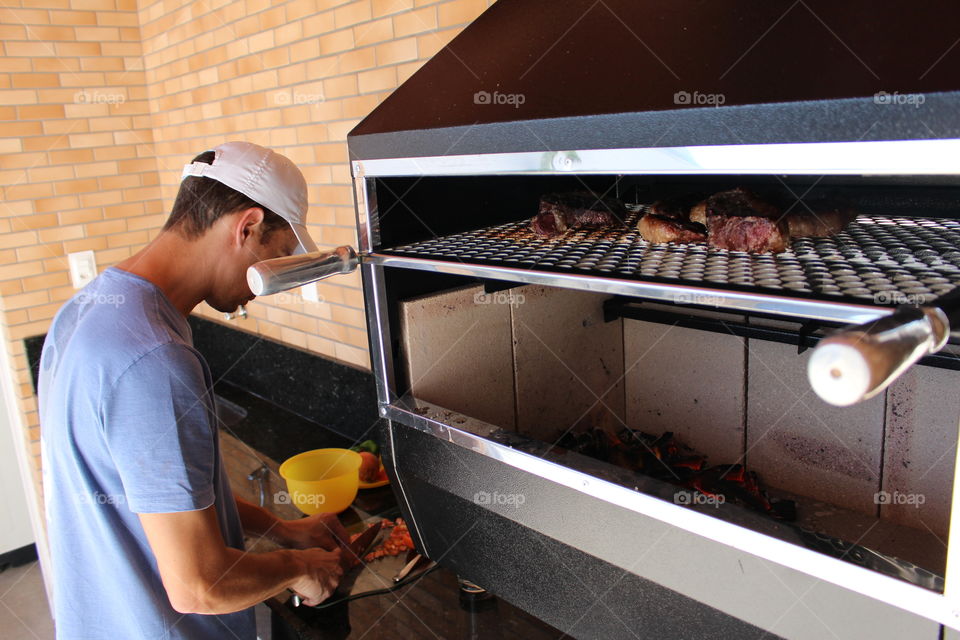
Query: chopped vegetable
{"x":367,"y":445}
{"x":396,"y":543}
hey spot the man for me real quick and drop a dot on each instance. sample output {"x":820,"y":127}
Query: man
{"x":146,"y":538}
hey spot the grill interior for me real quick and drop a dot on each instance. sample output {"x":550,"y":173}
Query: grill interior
{"x":885,"y":260}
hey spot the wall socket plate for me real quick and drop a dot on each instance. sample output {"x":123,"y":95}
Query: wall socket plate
{"x":83,"y":268}
{"x":309,"y":292}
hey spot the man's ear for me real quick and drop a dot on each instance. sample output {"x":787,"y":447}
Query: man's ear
{"x":247,"y":225}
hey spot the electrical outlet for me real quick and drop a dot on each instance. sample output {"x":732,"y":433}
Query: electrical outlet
{"x":309,"y":292}
{"x":83,"y":268}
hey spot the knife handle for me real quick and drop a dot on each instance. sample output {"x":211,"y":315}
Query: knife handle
{"x":859,"y":362}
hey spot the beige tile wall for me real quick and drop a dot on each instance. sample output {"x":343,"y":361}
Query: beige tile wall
{"x":102,"y":102}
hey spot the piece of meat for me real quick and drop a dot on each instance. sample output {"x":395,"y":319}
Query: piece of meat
{"x":659,"y":228}
{"x":821,"y":220}
{"x":562,"y":211}
{"x":549,"y":223}
{"x":755,"y":234}
{"x":698,"y":213}
{"x":739,"y":220}
{"x":677,"y":208}
{"x":741,"y":202}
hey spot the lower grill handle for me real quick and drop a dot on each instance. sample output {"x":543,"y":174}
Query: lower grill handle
{"x":857,"y":363}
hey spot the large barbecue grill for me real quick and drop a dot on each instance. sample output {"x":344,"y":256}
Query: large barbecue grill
{"x":639,"y":101}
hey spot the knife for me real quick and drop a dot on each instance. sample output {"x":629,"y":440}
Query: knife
{"x":354,"y":553}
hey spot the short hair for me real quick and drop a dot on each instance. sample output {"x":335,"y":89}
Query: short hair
{"x":202,"y":201}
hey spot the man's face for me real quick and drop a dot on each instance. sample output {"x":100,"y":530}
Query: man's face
{"x":234,"y":290}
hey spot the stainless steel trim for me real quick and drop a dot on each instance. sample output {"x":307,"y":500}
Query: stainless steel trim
{"x":845,"y":575}
{"x":381,"y":358}
{"x":888,"y":157}
{"x":678,"y":293}
{"x":362,"y":213}
{"x":951,"y":579}
{"x":368,"y":231}
{"x":381,"y":362}
{"x":412,"y":524}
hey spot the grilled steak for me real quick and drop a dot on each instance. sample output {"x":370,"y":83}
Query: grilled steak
{"x":654,"y":227}
{"x":740,"y":202}
{"x":738,"y":220}
{"x":562,"y":211}
{"x":755,"y":234}
{"x":823,"y":220}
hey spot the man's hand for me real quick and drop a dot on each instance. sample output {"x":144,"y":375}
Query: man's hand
{"x":203,"y":575}
{"x":322,"y":572}
{"x":319,"y":530}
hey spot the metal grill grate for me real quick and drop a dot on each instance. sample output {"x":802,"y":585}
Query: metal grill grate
{"x":885,"y":260}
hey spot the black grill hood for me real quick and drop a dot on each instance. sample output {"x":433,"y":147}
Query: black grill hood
{"x":604,"y":74}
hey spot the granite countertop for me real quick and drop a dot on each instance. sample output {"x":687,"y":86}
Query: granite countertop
{"x":255,"y":432}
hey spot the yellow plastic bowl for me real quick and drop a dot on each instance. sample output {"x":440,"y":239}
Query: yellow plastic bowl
{"x":322,"y":480}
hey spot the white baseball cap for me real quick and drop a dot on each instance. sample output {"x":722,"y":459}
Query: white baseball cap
{"x":266,"y":177}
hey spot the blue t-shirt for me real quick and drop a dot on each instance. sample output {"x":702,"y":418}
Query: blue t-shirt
{"x":128,"y":426}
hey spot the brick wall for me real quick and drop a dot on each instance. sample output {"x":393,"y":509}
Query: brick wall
{"x":103,"y":101}
{"x":296,"y":77}
{"x":76,"y":166}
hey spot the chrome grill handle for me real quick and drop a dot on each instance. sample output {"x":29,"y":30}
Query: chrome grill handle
{"x":858,"y":362}
{"x":280,"y":274}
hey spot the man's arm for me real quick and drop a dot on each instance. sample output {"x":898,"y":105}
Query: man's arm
{"x":201,"y":574}
{"x":319,"y":530}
